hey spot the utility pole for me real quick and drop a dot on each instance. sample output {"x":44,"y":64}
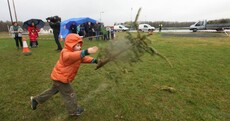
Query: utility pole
{"x":15,"y":12}
{"x":100,"y":15}
{"x":131,"y":23}
{"x":10,"y":12}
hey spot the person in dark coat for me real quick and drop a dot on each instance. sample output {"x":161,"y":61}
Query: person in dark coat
{"x":54,"y":23}
{"x":97,"y":29}
{"x":73,"y":28}
{"x":89,"y":30}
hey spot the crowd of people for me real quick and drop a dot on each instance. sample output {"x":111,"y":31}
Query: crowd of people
{"x":90,"y":31}
{"x":87,"y":30}
{"x":16,"y":32}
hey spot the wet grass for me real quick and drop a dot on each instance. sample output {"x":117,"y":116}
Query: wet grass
{"x":196,"y":88}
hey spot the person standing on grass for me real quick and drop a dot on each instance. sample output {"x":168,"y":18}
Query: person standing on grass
{"x":160,"y":27}
{"x":16,"y":32}
{"x":55,"y":24}
{"x":73,"y":28}
{"x":33,"y":38}
{"x":33,"y":29}
{"x":112,"y":33}
{"x":97,"y":29}
{"x":89,"y":30}
{"x":64,"y":73}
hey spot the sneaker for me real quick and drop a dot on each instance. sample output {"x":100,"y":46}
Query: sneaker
{"x":78,"y":112}
{"x":34,"y":103}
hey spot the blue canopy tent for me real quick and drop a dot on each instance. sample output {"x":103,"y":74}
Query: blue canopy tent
{"x":65,"y":25}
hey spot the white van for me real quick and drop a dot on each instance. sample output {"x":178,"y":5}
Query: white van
{"x":145,"y":28}
{"x":120,"y":28}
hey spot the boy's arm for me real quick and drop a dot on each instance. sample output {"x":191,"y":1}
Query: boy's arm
{"x":87,"y":59}
{"x":71,"y":57}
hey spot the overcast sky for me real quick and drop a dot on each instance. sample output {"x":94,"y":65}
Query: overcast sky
{"x":110,"y":11}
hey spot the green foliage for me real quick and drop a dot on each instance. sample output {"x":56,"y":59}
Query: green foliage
{"x":219,"y":21}
{"x":141,"y":44}
{"x":134,"y":47}
{"x":4,"y":25}
{"x":166,"y":24}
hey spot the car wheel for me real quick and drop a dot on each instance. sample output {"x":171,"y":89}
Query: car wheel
{"x":194,"y":30}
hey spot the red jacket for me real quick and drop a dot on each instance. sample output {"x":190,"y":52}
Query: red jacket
{"x":33,"y":33}
{"x":33,"y":36}
{"x":69,"y":61}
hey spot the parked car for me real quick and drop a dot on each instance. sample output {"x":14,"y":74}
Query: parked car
{"x":210,"y":25}
{"x":145,"y":28}
{"x":120,"y":28}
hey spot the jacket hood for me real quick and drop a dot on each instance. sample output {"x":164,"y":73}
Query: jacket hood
{"x":71,"y":40}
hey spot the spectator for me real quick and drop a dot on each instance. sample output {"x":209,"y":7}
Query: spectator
{"x":108,"y":32}
{"x":33,"y":38}
{"x":16,"y":32}
{"x":73,"y":28}
{"x":160,"y":27}
{"x":54,"y":23}
{"x":104,"y":33}
{"x":97,"y":29}
{"x":35,"y":30}
{"x":89,"y":30}
{"x":112,"y":33}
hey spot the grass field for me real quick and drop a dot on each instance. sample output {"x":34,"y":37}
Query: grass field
{"x":195,"y":89}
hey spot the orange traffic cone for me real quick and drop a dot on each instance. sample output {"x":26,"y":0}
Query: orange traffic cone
{"x":26,"y":50}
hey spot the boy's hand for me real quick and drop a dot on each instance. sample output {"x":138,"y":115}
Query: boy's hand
{"x":92,"y":50}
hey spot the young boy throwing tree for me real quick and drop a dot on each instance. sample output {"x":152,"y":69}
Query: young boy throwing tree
{"x":64,"y":73}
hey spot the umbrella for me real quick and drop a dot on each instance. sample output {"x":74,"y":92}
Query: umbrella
{"x":65,"y":25}
{"x":78,"y":21}
{"x":37,"y":22}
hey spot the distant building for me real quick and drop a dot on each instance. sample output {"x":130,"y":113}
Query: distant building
{"x":46,"y":30}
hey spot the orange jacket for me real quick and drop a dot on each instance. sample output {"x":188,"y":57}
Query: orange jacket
{"x":69,"y":62}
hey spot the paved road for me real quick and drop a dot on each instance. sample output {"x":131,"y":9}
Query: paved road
{"x":189,"y":33}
